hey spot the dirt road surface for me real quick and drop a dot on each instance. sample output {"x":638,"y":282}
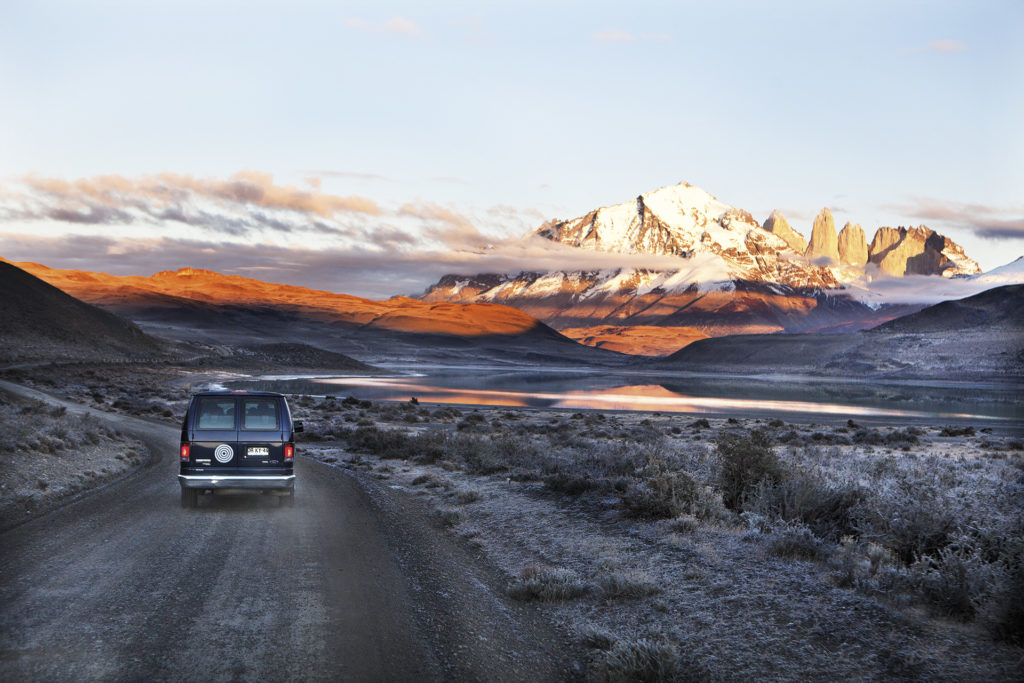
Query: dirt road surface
{"x":353,"y":583}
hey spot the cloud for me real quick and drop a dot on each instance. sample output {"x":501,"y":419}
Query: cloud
{"x":945,"y":46}
{"x":347,"y":175}
{"x":248,"y":200}
{"x":293,"y":235}
{"x":613,"y":36}
{"x":403,"y":26}
{"x":991,"y":222}
{"x":877,"y":288}
{"x":476,"y":31}
{"x":396,"y":25}
{"x":620,"y":36}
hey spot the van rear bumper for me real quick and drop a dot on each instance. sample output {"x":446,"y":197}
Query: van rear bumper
{"x":236,"y":481}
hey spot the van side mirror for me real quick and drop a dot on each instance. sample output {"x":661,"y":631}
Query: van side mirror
{"x":297,"y":426}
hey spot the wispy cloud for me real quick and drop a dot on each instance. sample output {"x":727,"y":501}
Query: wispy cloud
{"x":298,"y":236}
{"x":619,"y":36}
{"x":396,"y":25}
{"x":993,"y":222}
{"x":169,"y":191}
{"x":476,"y":31}
{"x":876,"y":287}
{"x":943,"y":47}
{"x":347,"y":175}
{"x":947,"y":46}
{"x":614,"y":36}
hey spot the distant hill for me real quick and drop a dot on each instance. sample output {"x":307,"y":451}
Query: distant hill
{"x":193,"y":305}
{"x":977,"y":338}
{"x":40,"y":322}
{"x":999,"y":307}
{"x":284,"y":356}
{"x":191,"y":290}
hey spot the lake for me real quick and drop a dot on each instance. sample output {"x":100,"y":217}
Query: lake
{"x":697,"y":394}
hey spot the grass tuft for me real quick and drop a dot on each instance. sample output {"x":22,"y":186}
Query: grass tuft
{"x":547,"y":584}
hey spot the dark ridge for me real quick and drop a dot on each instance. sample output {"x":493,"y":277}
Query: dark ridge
{"x":1000,"y":306}
{"x":40,"y":322}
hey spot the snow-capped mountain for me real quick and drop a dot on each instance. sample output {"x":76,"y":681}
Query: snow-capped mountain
{"x":716,"y":269}
{"x":1010,"y":274}
{"x":686,"y":221}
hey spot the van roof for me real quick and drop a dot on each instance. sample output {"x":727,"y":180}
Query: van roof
{"x":237,"y":393}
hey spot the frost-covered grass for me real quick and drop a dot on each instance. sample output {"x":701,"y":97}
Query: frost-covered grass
{"x":841,"y":550}
{"x":47,"y":453}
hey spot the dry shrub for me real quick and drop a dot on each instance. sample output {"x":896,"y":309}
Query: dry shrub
{"x":573,"y":483}
{"x":384,"y":443}
{"x":745,"y":461}
{"x":467,"y":496}
{"x":547,"y":584}
{"x":626,"y":585}
{"x":1004,"y":614}
{"x":805,"y":496}
{"x":796,"y":540}
{"x":683,"y":524}
{"x":450,"y":516}
{"x":911,"y":529}
{"x":640,"y":660}
{"x":596,"y":637}
{"x":661,"y":493}
{"x":955,"y":582}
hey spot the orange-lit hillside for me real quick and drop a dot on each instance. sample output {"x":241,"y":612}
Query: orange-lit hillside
{"x":640,"y":340}
{"x":398,"y":314}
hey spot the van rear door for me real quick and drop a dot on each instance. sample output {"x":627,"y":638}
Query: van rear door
{"x":215,"y":432}
{"x":261,"y":432}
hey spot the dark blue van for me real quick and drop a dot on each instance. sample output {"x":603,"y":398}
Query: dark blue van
{"x":237,"y":442}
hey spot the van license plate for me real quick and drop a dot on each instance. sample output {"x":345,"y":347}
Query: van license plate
{"x":257,"y":450}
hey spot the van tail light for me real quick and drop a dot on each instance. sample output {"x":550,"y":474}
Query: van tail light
{"x":184,"y":451}
{"x":289,"y":451}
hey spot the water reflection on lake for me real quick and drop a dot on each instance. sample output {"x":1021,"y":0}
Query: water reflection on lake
{"x":682,"y":394}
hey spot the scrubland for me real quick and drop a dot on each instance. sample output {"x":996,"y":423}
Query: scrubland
{"x":670,"y":547}
{"x":679,"y":548}
{"x":48,"y":454}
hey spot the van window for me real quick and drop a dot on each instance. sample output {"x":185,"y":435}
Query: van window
{"x":260,"y":413}
{"x":216,"y":413}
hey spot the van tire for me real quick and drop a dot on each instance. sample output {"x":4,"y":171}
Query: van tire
{"x":189,"y":498}
{"x":288,"y":500}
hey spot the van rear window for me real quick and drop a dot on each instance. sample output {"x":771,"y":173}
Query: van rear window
{"x":216,"y":413}
{"x":260,"y":413}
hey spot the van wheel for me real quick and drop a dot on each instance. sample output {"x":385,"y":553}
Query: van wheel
{"x":189,"y":498}
{"x":288,"y":500}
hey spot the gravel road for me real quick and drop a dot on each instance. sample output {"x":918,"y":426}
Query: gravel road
{"x":350,"y":584}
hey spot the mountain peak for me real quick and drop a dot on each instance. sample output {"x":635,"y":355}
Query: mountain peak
{"x":777,"y":224}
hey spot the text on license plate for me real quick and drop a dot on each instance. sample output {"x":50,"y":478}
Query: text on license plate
{"x":257,"y":450}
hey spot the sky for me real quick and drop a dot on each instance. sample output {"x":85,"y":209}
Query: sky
{"x":370,"y":147}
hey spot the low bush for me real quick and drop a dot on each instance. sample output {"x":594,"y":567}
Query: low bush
{"x":547,"y":584}
{"x":957,"y":431}
{"x":660,"y":492}
{"x":384,"y":443}
{"x":639,"y":660}
{"x":806,"y":496}
{"x":954,"y":582}
{"x":1004,"y":615}
{"x":912,"y":528}
{"x":745,"y":461}
{"x":625,"y":585}
{"x":797,"y":541}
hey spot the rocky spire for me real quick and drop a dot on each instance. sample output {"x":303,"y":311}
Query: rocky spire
{"x":824,"y":242}
{"x":778,"y":225}
{"x":853,"y":245}
{"x":918,"y":251}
